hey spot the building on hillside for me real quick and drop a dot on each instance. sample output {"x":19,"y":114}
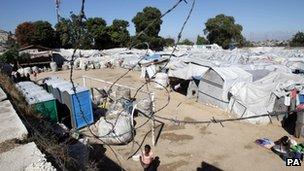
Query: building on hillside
{"x":3,"y":39}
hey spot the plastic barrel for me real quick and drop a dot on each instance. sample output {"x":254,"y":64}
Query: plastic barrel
{"x":161,"y":80}
{"x":53,"y":66}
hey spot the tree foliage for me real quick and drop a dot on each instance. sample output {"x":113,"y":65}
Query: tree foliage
{"x":94,"y":33}
{"x":200,"y":40}
{"x":12,"y":56}
{"x":297,"y":40}
{"x":142,"y":22}
{"x":36,"y":33}
{"x":223,"y":31}
{"x":144,"y":18}
{"x":94,"y":23}
{"x":119,"y":33}
{"x":44,"y":34}
{"x":186,"y":42}
{"x":169,"y":42}
{"x":25,"y":33}
{"x":155,"y":43}
{"x":72,"y":33}
{"x":63,"y":31}
{"x":97,"y":29}
{"x":9,"y":56}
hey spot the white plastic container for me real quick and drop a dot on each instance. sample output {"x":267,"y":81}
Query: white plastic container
{"x":53,"y":66}
{"x":21,"y":71}
{"x":35,"y":69}
{"x":161,"y":80}
{"x":27,"y":70}
{"x":83,"y":64}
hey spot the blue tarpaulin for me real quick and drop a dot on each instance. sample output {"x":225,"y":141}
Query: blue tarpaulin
{"x":152,"y":57}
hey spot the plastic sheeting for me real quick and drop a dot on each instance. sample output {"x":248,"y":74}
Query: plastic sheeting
{"x":256,"y":98}
{"x":216,"y":83}
{"x":33,"y":93}
{"x":115,"y":129}
{"x":231,"y":76}
{"x":188,"y":72}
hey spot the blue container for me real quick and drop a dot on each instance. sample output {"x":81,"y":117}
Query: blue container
{"x":69,"y":106}
{"x":80,"y":106}
{"x":301,"y":98}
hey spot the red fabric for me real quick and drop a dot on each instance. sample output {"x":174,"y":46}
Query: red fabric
{"x":293,"y":93}
{"x":300,"y":107}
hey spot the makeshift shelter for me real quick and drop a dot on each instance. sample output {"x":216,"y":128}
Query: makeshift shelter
{"x":258,"y":74}
{"x":216,"y":82}
{"x":188,"y":72}
{"x":38,"y":54}
{"x":264,"y":96}
{"x":184,"y":75}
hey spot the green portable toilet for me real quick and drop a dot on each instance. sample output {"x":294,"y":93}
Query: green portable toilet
{"x":47,"y":107}
{"x":42,"y":101}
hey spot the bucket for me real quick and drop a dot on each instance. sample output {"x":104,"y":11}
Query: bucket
{"x":161,"y":80}
{"x":83,"y":65}
{"x":53,"y":66}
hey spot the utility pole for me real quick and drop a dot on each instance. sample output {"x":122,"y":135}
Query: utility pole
{"x":57,"y":3}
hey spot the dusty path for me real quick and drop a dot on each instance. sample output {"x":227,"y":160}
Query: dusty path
{"x":190,"y":147}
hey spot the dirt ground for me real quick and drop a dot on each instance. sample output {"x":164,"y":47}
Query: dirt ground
{"x":192,"y":147}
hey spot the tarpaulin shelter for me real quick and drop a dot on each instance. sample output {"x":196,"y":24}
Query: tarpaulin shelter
{"x":216,"y":82}
{"x":263,"y":96}
{"x":188,"y":72}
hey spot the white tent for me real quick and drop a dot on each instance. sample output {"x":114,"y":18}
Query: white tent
{"x":256,"y":98}
{"x":188,"y":72}
{"x":216,"y":83}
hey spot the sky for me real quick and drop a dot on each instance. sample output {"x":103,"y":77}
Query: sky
{"x":261,"y":19}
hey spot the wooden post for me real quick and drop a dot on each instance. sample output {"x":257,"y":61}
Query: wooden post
{"x":153,"y":121}
{"x":84,"y":81}
{"x":153,"y":132}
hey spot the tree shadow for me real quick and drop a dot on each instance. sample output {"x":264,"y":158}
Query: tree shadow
{"x":102,"y":162}
{"x":208,"y":167}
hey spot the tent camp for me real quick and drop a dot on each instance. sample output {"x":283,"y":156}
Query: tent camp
{"x":263,"y":96}
{"x":215,"y":84}
{"x":187,"y":72}
{"x":191,"y":73}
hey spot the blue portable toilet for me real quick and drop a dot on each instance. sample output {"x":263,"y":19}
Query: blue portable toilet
{"x":49,"y":83}
{"x":58,"y":88}
{"x":76,"y":102}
